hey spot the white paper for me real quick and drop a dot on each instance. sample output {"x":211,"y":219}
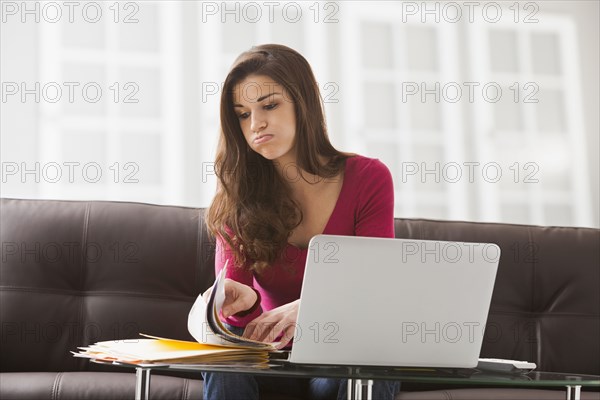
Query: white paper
{"x":201,"y":329}
{"x":197,"y":324}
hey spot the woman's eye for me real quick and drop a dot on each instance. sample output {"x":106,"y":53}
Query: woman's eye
{"x":266,"y":107}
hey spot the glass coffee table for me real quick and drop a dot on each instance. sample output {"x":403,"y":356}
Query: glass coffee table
{"x":360,"y":378}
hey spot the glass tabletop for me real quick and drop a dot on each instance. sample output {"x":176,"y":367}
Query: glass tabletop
{"x":405,"y":374}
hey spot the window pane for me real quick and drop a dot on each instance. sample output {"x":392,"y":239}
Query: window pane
{"x":144,"y":85}
{"x":380,"y":105}
{"x":507,"y":113}
{"x":237,"y":37}
{"x":422,"y":46}
{"x":503,"y":51}
{"x":546,"y":53}
{"x":85,"y":148}
{"x":141,"y":35}
{"x":290,"y":34}
{"x":145,"y":151}
{"x":550,"y":111}
{"x":83,"y":34}
{"x":430,"y":160}
{"x":90,"y":91}
{"x":377,"y":45}
{"x":424,"y":112}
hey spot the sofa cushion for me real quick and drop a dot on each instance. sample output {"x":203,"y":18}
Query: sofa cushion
{"x":92,"y":385}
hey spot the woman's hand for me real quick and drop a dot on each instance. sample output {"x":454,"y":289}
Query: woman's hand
{"x":238,"y":297}
{"x":269,"y":325}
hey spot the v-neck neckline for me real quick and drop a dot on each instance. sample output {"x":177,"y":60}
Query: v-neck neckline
{"x":337,"y":202}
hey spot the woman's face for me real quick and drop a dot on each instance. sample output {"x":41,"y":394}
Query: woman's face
{"x":266,"y":114}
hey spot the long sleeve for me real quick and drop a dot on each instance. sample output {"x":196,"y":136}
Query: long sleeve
{"x":223,"y":253}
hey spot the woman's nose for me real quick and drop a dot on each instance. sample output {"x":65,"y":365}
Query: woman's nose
{"x":257,"y":122}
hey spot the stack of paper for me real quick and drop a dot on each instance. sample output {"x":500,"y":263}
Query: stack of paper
{"x":215,"y":343}
{"x":161,"y":350}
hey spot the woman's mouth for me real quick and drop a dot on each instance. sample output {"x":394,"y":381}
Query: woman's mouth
{"x":262,"y":139}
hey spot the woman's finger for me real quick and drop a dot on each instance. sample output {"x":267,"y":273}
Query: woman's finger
{"x":255,"y":330}
{"x":249,"y":330}
{"x":287,"y":337}
{"x":263,"y":331}
{"x":238,"y":297}
{"x":232,"y":306}
{"x":273,"y":330}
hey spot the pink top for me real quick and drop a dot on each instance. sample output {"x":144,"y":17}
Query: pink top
{"x":365,"y":207}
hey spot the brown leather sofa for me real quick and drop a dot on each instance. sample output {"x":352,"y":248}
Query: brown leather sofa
{"x":76,"y":272}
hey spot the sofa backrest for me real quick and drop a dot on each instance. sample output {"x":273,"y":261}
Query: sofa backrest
{"x":546,"y":300}
{"x":76,"y":272}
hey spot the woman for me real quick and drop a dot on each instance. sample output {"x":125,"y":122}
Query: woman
{"x":281,"y":182}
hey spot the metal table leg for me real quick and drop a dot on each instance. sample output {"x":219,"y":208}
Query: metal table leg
{"x":573,"y":392}
{"x":142,"y":383}
{"x":358,"y":387}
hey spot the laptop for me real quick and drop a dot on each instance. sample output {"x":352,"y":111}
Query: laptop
{"x":394,"y":302}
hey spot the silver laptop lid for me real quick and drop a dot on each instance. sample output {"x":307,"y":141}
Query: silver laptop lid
{"x":376,"y":301}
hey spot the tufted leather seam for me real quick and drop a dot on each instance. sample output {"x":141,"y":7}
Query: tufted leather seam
{"x":56,"y":386}
{"x":534,"y":349}
{"x":185,"y":391}
{"x":84,"y":235}
{"x":84,"y":238}
{"x":186,"y":299}
{"x":95,"y":293}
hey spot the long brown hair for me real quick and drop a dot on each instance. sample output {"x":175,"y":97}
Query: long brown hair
{"x":253,"y":209}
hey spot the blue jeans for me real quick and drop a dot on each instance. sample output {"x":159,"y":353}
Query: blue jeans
{"x":229,"y":386}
